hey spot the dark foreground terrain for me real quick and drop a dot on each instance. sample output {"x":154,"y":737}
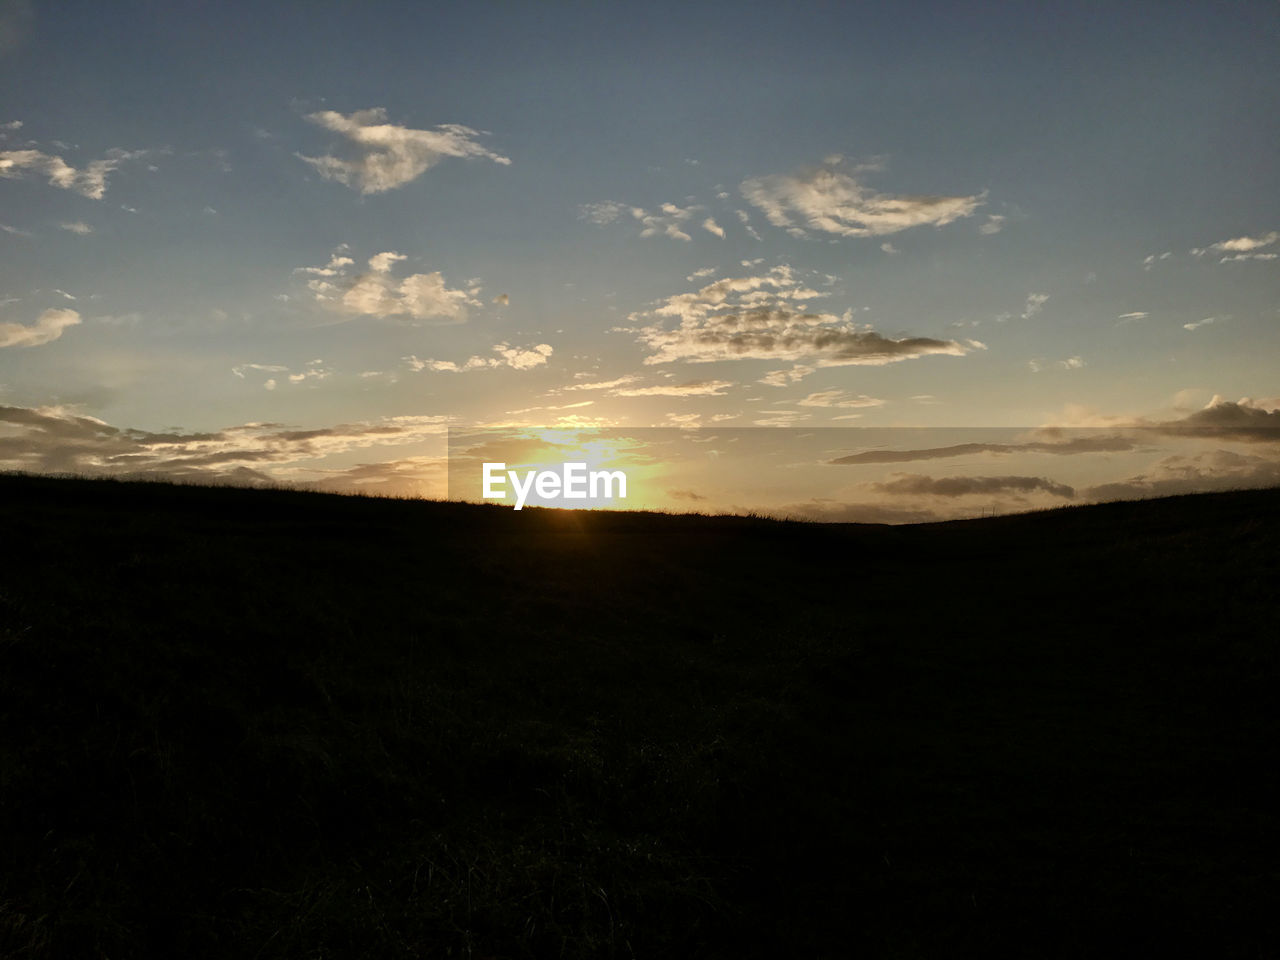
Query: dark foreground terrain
{"x":264,"y":724}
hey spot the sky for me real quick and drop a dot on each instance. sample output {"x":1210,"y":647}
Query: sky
{"x":307,"y":244}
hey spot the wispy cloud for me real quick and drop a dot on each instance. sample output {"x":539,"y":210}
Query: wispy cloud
{"x":1197,"y":324}
{"x":1075,"y":445}
{"x":603,"y":384}
{"x":830,"y":200}
{"x":91,"y":181}
{"x":47,"y":328}
{"x":839,"y":398}
{"x":1241,"y":248}
{"x":667,"y":221}
{"x":914,"y":484}
{"x":517,"y":358}
{"x":993,"y":225}
{"x":57,"y":440}
{"x":383,"y":156}
{"x":696,"y":388}
{"x":78,"y":227}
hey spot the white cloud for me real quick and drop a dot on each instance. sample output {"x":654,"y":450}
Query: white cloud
{"x":994,"y":224}
{"x":1241,"y":247}
{"x":764,"y":317}
{"x":385,"y":156}
{"x":839,"y":398}
{"x":77,"y":227}
{"x":1135,"y":315}
{"x":1196,"y":325}
{"x":780,"y":378}
{"x":517,"y":358}
{"x":14,"y":231}
{"x":667,"y":221}
{"x":602,"y":213}
{"x":1152,"y":259}
{"x":377,"y":293}
{"x":832,"y":201}
{"x":502,"y":300}
{"x":1035,"y":303}
{"x":47,"y":328}
{"x":90,"y":182}
{"x":603,"y":384}
{"x":1071,"y":363}
{"x":697,"y":388}
{"x":313,"y":370}
{"x":711,"y":226}
{"x":889,"y":248}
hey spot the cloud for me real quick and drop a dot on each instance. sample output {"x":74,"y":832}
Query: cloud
{"x":1197,"y":324}
{"x":1241,"y":248}
{"x":602,"y":213}
{"x":78,"y":227}
{"x":603,"y":384}
{"x":410,"y":477}
{"x":55,"y":440}
{"x":994,"y":224}
{"x":90,"y":182}
{"x":832,"y":201}
{"x":1245,"y":419}
{"x":1135,"y":315}
{"x":1152,"y":259}
{"x":1035,"y":303}
{"x":1199,"y":473}
{"x":838,"y":398}
{"x":376,"y":293}
{"x":47,"y":328}
{"x":763,"y":317}
{"x":919,"y":484}
{"x":502,"y":300}
{"x":889,"y":248}
{"x":384,"y":156}
{"x":14,"y":231}
{"x":667,"y":221}
{"x":1070,"y":363}
{"x":517,"y":358}
{"x":697,"y":388}
{"x":314,"y":370}
{"x":1075,"y":445}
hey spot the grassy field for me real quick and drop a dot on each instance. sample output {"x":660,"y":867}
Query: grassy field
{"x":239,"y":723}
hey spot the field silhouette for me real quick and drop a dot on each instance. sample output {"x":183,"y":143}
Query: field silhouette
{"x":259,"y":723}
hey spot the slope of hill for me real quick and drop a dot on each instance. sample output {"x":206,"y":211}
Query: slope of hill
{"x":274,"y":724}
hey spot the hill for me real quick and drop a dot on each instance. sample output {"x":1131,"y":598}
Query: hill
{"x":280,"y":724}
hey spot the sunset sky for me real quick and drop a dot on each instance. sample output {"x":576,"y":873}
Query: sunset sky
{"x":297,"y":242}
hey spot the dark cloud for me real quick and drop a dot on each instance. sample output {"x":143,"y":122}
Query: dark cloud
{"x":914,"y":483}
{"x":53,"y":440}
{"x":1201,"y":473}
{"x":831,"y":511}
{"x":1102,"y":444}
{"x":1225,"y":420}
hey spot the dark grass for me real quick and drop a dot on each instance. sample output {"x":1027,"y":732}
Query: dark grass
{"x":244,"y":723}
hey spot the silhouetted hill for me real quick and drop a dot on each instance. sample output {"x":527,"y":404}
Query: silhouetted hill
{"x":280,"y":724}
